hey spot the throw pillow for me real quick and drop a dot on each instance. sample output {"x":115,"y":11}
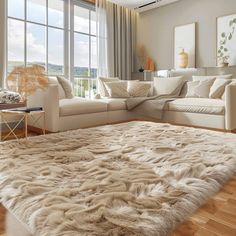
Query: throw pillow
{"x":117,"y":89}
{"x":168,"y":86}
{"x":218,"y":88}
{"x":101,"y":85}
{"x":199,"y":89}
{"x":54,"y":80}
{"x":9,"y":97}
{"x":138,"y":89}
{"x":232,"y":82}
{"x":65,"y":84}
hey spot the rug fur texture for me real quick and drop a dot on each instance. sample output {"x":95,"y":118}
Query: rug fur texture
{"x":138,"y":178}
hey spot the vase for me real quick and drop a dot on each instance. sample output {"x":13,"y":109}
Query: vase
{"x":183,"y":59}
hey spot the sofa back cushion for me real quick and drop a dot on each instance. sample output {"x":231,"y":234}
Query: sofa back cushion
{"x":168,"y":86}
{"x":199,"y":89}
{"x":102,"y":90}
{"x":138,"y":89}
{"x":117,"y":89}
{"x":53,"y":80}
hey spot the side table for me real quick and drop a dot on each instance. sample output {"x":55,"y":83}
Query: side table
{"x":35,"y":116}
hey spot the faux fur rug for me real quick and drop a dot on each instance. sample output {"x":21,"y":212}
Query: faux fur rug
{"x":138,"y":178}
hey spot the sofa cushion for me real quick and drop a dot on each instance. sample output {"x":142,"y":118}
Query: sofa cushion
{"x":79,"y":106}
{"x":138,"y":89}
{"x":199,"y":89}
{"x":168,"y":86}
{"x":115,"y":104}
{"x":117,"y":89}
{"x":101,"y":85}
{"x":197,"y":105}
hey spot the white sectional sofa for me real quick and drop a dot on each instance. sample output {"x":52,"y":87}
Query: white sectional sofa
{"x":65,"y":114}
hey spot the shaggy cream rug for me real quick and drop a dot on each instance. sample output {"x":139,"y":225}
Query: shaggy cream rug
{"x":138,"y":178}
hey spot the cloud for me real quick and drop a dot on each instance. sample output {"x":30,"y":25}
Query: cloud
{"x":36,"y":46}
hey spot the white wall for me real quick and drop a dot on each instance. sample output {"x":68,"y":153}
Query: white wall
{"x":2,"y":41}
{"x":156,"y":29}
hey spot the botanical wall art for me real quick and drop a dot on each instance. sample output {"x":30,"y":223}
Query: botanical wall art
{"x":226,"y":40}
{"x":184,"y":48}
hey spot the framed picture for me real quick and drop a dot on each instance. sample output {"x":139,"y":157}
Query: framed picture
{"x":226,"y":40}
{"x":184,"y":48}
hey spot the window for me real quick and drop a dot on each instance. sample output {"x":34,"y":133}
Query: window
{"x":85,"y":66}
{"x":39,"y":34}
{"x":36,"y":34}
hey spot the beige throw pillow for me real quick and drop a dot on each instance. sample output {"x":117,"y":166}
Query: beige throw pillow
{"x":199,"y":89}
{"x":54,"y":80}
{"x":101,"y":85}
{"x":232,"y":82}
{"x":138,"y":89}
{"x":168,"y":86}
{"x":65,"y":84}
{"x":218,"y":88}
{"x":117,"y":89}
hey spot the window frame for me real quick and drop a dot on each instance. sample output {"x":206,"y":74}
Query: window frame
{"x":68,"y":44}
{"x":90,"y":7}
{"x":47,"y":26}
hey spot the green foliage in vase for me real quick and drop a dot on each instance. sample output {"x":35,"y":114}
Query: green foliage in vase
{"x":223,"y":51}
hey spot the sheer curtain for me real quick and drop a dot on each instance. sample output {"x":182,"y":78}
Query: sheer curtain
{"x":116,"y":39}
{"x":2,"y":41}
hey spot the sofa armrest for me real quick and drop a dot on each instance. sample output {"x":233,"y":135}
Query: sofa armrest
{"x":49,"y":100}
{"x":230,"y":106}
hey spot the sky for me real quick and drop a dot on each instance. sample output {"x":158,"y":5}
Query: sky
{"x":36,"y":34}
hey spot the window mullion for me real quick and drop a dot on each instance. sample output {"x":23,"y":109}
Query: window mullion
{"x":66,"y":40}
{"x":25,"y":34}
{"x":46,"y":66}
{"x":71,"y":68}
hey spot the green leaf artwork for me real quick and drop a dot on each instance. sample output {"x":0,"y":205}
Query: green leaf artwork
{"x":223,"y":51}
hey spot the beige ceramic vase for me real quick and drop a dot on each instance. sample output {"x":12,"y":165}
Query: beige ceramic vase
{"x":183,"y":59}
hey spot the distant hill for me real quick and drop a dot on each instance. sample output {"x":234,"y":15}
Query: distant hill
{"x":57,"y":69}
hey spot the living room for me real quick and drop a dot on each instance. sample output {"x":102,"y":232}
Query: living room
{"x":117,"y":117}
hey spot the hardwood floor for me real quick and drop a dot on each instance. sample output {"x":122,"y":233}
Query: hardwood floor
{"x":216,"y":218}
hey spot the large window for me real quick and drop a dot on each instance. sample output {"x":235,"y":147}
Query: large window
{"x":39,"y":33}
{"x":85,"y":65}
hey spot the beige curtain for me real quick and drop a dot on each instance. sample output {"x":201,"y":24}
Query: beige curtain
{"x":118,"y":39}
{"x":2,"y":41}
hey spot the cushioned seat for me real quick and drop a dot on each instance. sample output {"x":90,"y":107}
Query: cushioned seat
{"x":197,"y":105}
{"x":115,"y":104}
{"x":78,"y":106}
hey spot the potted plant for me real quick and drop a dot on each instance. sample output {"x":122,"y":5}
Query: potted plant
{"x":224,"y":60}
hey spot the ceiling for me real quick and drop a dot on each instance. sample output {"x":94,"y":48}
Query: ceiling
{"x":134,"y":4}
